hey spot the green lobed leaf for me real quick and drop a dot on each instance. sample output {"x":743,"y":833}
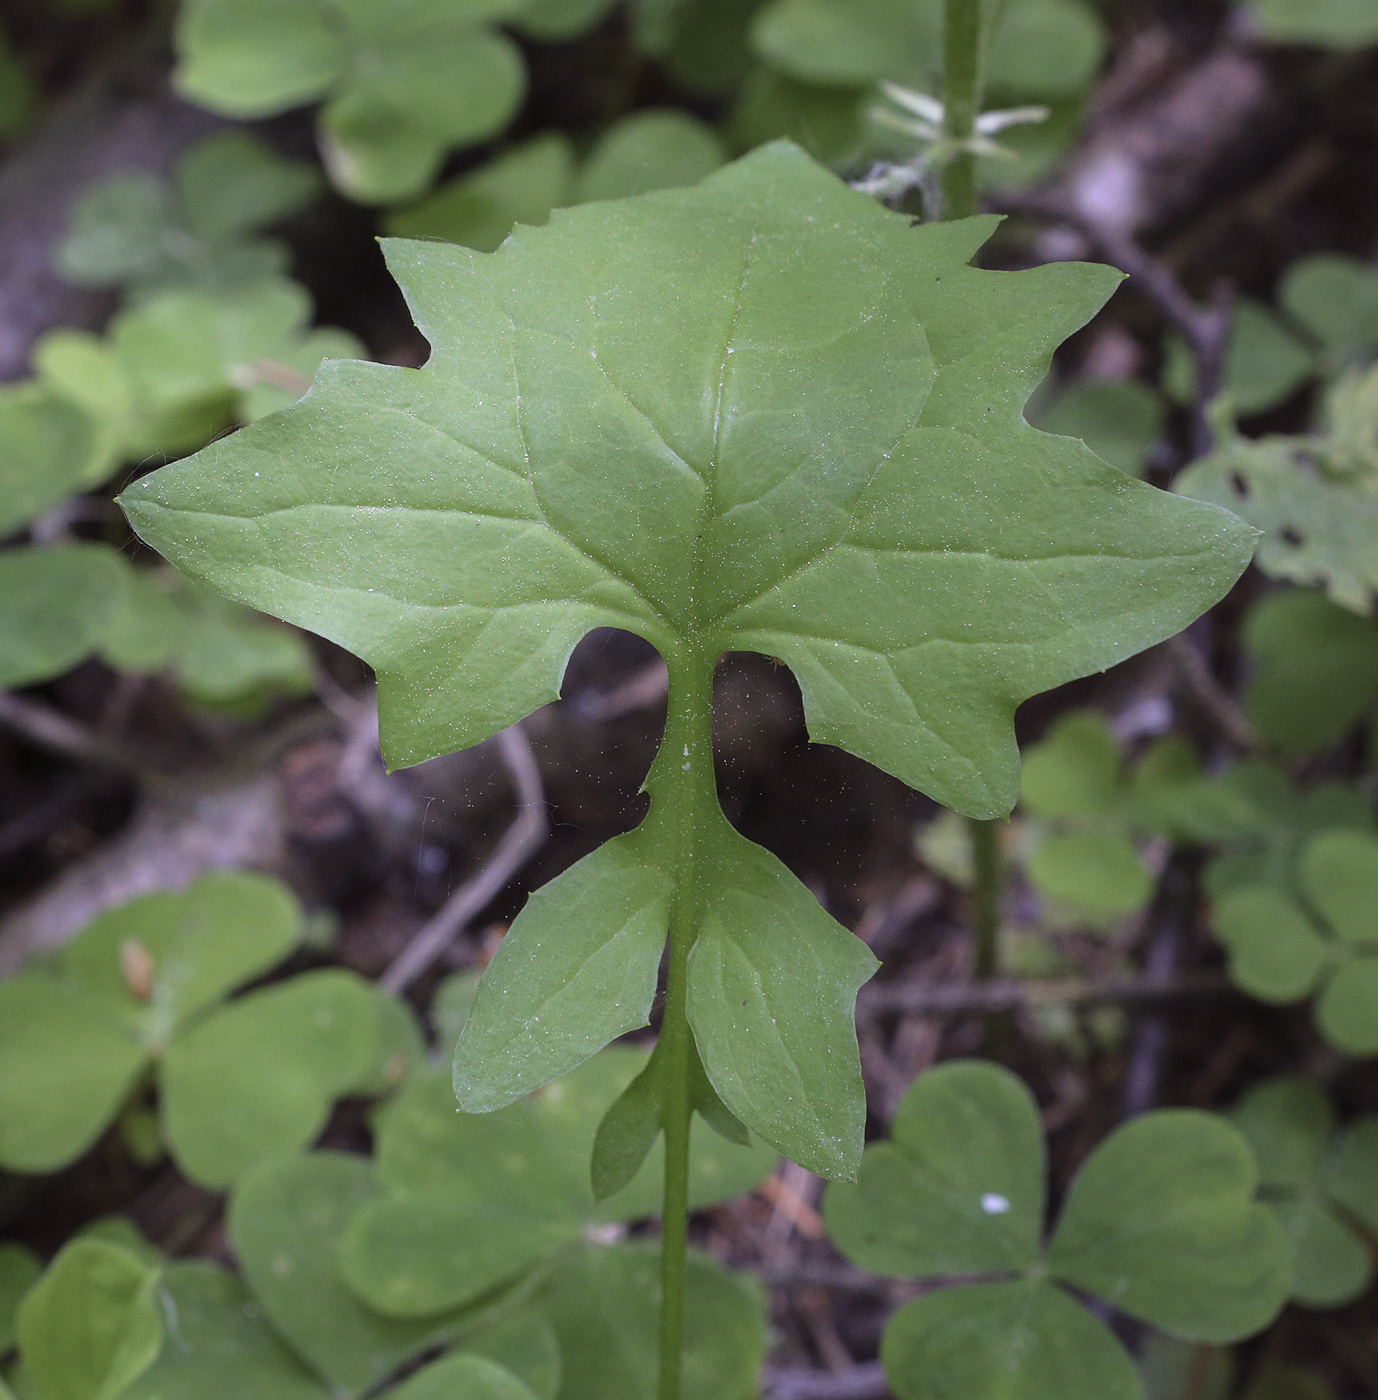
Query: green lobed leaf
{"x":19,"y":1271}
{"x":218,"y":1347}
{"x":958,"y":1188}
{"x":1004,"y":1341}
{"x":286,"y":1218}
{"x":67,"y":1063}
{"x":257,"y":1078}
{"x":1161,"y":1223}
{"x":1315,"y":669}
{"x":54,"y":603}
{"x":595,"y":462}
{"x":604,"y":1302}
{"x":91,"y":1325}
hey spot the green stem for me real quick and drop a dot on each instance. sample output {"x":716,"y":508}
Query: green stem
{"x":961,"y":96}
{"x":686,"y":784}
{"x":985,"y":896}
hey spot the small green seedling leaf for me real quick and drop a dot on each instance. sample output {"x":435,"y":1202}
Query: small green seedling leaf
{"x":1162,"y":1223}
{"x":1281,"y":949}
{"x":1043,"y":48}
{"x":1265,"y":362}
{"x":480,"y":209}
{"x":603,"y":1305}
{"x":54,"y":604}
{"x":591,"y":465}
{"x":402,"y":86}
{"x":19,"y":1271}
{"x":1004,"y":1341}
{"x":218,"y":1346}
{"x":91,"y":1325}
{"x":1315,"y":669}
{"x":473,"y":1377}
{"x":1119,"y":420}
{"x":257,"y":1078}
{"x":1312,"y":495}
{"x":1331,"y":24}
{"x":651,"y":150}
{"x":1336,"y":298}
{"x":1074,"y":771}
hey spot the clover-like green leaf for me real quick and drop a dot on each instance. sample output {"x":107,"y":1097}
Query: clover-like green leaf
{"x":603,"y":1304}
{"x":1280,"y":951}
{"x":1172,"y":1369}
{"x":91,"y":1325}
{"x":54,"y":604}
{"x":67,"y":1063}
{"x":1118,"y":419}
{"x":1161,"y":1222}
{"x":46,"y":448}
{"x":1265,"y":361}
{"x":1098,"y":873}
{"x":1289,"y":1123}
{"x":959,"y":1187}
{"x":1315,"y":669}
{"x":404,"y":83}
{"x":819,"y":455}
{"x":257,"y":1077}
{"x":194,"y":946}
{"x":473,"y":1377}
{"x":472,"y":1202}
{"x":1004,"y":1341}
{"x":19,"y":1271}
{"x":479,"y":209}
{"x":286,"y":1218}
{"x":1074,"y":771}
{"x":218,"y":1346}
{"x":650,"y":150}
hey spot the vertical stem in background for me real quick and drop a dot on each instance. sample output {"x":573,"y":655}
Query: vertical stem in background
{"x":985,"y":896}
{"x":961,"y":82}
{"x":686,"y":783}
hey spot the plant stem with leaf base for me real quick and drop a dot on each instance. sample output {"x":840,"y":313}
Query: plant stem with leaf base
{"x":684,"y":779}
